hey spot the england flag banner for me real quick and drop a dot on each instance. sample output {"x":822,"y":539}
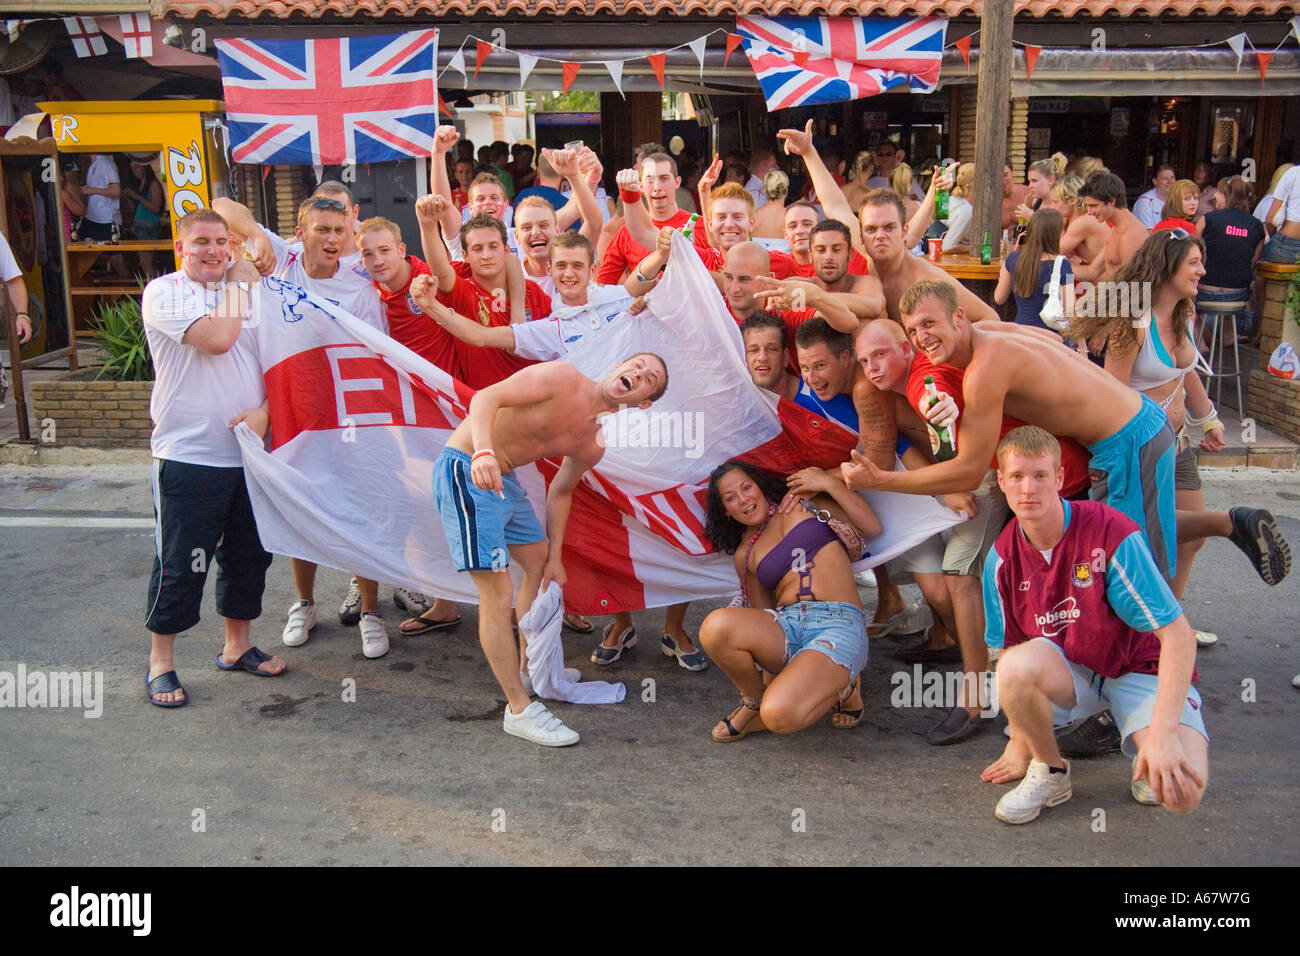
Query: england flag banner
{"x":358,"y":420}
{"x":807,"y":60}
{"x":333,"y":100}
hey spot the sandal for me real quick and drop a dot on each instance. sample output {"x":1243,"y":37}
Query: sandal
{"x":578,"y":623}
{"x":422,"y":625}
{"x":165,"y":683}
{"x":839,"y":710}
{"x":251,"y":661}
{"x":753,"y":726}
{"x":694,"y":661}
{"x":607,"y":655}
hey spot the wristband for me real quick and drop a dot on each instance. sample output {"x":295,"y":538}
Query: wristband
{"x":1211,"y":425}
{"x":451,"y":314}
{"x":1211,"y":415}
{"x":481,"y":454}
{"x":21,"y":315}
{"x":628,"y":196}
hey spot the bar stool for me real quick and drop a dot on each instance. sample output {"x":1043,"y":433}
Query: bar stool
{"x":1213,"y":315}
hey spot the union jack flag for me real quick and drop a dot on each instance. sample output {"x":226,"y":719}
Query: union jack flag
{"x":808,"y":60}
{"x":329,"y":101}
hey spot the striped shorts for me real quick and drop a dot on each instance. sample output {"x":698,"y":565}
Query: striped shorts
{"x":481,"y":525}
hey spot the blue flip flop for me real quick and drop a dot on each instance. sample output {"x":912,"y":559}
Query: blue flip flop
{"x":249,"y":661}
{"x":164,"y":684}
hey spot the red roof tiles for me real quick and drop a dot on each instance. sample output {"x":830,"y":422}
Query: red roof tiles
{"x":274,"y":9}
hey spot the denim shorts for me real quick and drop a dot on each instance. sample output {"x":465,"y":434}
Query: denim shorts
{"x":1130,"y":697}
{"x":1281,"y":249}
{"x":839,"y":631}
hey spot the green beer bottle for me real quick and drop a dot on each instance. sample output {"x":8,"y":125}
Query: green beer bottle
{"x":942,"y":442}
{"x":986,"y":249}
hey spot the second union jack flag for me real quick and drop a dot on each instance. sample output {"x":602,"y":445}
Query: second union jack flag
{"x":807,"y":60}
{"x":329,"y":101}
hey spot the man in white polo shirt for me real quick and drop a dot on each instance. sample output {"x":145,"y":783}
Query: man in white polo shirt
{"x":207,"y":373}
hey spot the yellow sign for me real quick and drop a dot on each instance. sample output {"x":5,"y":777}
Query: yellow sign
{"x":173,"y":127}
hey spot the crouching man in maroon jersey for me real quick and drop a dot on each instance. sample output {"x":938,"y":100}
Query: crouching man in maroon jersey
{"x":1071,"y":589}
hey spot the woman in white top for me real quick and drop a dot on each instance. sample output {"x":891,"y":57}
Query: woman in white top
{"x":1265,"y":204}
{"x":960,"y":209}
{"x":1284,"y":247}
{"x":1159,"y":359}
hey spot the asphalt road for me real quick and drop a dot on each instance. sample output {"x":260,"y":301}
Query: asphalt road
{"x":418,"y":771}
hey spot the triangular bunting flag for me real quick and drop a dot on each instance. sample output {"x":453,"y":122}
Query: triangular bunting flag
{"x":800,"y":57}
{"x":87,"y":40}
{"x":733,"y":41}
{"x":615,"y":68}
{"x":457,"y":63}
{"x":526,"y":64}
{"x":1264,"y":60}
{"x":1031,"y":57}
{"x":481,"y":51}
{"x":1295,"y":28}
{"x":570,"y":73}
{"x":657,"y":61}
{"x":963,"y":47}
{"x":697,"y":47}
{"x":444,"y":107}
{"x":1238,"y":44}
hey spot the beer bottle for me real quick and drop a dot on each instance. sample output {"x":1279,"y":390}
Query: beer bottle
{"x":986,"y":249}
{"x":688,"y":230}
{"x":941,"y":200}
{"x":942,"y":442}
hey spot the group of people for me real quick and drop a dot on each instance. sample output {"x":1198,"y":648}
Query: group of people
{"x":1008,"y":425}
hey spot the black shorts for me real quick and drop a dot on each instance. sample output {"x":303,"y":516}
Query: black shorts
{"x":91,"y":231}
{"x":202,"y":514}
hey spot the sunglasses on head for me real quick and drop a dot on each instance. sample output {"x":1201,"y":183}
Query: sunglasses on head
{"x":320,"y":202}
{"x":1179,"y":233}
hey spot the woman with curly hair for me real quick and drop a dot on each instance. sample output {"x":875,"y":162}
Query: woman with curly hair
{"x":803,"y":621}
{"x":1150,"y":348}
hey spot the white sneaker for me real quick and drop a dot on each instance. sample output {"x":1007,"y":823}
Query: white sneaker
{"x":571,"y":674}
{"x":865,"y":579}
{"x":350,"y":609}
{"x":374,"y":636}
{"x":1142,"y":792}
{"x":540,"y":726}
{"x":1040,"y":788}
{"x":302,"y":621}
{"x":411,"y":602}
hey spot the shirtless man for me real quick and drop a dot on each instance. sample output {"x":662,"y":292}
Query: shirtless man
{"x":1103,"y":199}
{"x":1085,"y":237}
{"x":1032,"y":376}
{"x":546,"y":410}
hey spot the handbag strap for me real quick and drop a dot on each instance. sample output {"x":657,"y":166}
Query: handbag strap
{"x":1054,"y":284}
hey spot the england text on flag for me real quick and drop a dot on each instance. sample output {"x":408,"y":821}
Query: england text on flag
{"x":137,"y":34}
{"x":87,"y":40}
{"x":327,"y":101}
{"x":806,"y":60}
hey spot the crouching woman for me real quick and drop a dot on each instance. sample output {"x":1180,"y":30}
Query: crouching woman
{"x":803,"y":621}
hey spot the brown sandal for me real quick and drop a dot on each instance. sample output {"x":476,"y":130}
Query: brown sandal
{"x":753,"y":726}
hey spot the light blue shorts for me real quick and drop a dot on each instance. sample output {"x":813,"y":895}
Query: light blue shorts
{"x":1130,"y":697}
{"x":835,"y":630}
{"x":1133,"y":472}
{"x":479,"y":525}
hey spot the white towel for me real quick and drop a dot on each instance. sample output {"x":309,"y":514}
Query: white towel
{"x":541,"y":630}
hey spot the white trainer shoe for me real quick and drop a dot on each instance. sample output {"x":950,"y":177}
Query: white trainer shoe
{"x":350,"y":609}
{"x":570,"y":674}
{"x":411,"y":602}
{"x":1142,"y":792}
{"x":302,"y":621}
{"x":1040,"y":788}
{"x":540,"y":726}
{"x":374,"y":635}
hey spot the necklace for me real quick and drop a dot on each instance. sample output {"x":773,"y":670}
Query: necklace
{"x":744,"y":590}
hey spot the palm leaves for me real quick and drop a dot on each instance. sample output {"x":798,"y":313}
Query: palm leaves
{"x":119,"y":332}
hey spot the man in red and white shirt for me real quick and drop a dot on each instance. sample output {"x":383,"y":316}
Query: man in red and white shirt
{"x":659,"y":183}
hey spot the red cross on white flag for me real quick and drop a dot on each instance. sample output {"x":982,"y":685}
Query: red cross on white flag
{"x":137,"y":34}
{"x":85,"y":36}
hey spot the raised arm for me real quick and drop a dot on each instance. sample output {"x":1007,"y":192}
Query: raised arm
{"x":244,"y":227}
{"x":645,"y":274}
{"x":565,"y":162}
{"x":635,"y":215}
{"x":428,"y":210}
{"x":444,"y":138}
{"x":217,"y":332}
{"x":800,"y":293}
{"x":829,"y":194}
{"x":704,"y":186}
{"x":559,"y":502}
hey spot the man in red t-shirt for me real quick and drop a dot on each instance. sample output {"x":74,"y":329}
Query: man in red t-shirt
{"x":482,"y":294}
{"x":659,"y":183}
{"x":383,"y":254}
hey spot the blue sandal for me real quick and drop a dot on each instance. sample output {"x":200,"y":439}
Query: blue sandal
{"x":249,"y":661}
{"x":607,"y":655}
{"x":164,"y":684}
{"x":695,"y":661}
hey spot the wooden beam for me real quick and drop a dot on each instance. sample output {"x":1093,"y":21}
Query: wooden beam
{"x":992,"y":112}
{"x":626,"y":123}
